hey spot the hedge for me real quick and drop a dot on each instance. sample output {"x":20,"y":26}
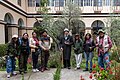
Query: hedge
{"x":3,"y":48}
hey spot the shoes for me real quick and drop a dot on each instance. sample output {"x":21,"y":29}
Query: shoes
{"x":90,"y":71}
{"x":37,"y":70}
{"x":14,"y":73}
{"x":34,"y":70}
{"x":69,"y":67}
{"x":77,"y":68}
{"x":47,"y":68}
{"x":86,"y":69}
{"x":8,"y":75}
{"x":43,"y":69}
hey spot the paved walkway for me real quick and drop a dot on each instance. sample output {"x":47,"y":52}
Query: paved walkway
{"x":48,"y":75}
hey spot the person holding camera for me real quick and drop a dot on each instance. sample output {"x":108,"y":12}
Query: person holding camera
{"x":103,"y":44}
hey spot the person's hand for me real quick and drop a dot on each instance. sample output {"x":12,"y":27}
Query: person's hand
{"x":36,"y":47}
{"x":61,"y":49}
{"x":67,"y":43}
{"x":75,"y":49}
{"x":90,"y":48}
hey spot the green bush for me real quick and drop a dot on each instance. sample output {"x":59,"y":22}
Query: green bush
{"x":54,"y":59}
{"x":3,"y":48}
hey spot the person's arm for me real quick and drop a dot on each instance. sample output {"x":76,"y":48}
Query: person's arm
{"x":40,"y":42}
{"x":109,"y":42}
{"x":31,"y":43}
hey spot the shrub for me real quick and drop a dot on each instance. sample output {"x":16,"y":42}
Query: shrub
{"x":3,"y":48}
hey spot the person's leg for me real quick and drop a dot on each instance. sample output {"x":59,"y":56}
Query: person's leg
{"x":86,"y":58}
{"x":25,"y":62}
{"x":13,"y":65}
{"x":90,"y":59}
{"x":43,"y":61}
{"x":100,"y":61}
{"x":76,"y":58}
{"x":21,"y":63}
{"x":8,"y":67}
{"x":33,"y":58}
{"x":46,"y":59}
{"x":68,"y":64}
{"x":64,"y":62}
{"x":79,"y":59}
{"x":106,"y":60}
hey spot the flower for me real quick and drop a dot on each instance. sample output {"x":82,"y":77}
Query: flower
{"x":81,"y":78}
{"x":106,"y":58}
{"x":110,"y":72}
{"x":101,"y":69}
{"x":94,"y":66}
{"x":90,"y":76}
{"x":94,"y":72}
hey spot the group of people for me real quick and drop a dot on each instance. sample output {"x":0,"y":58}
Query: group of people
{"x":86,"y":46}
{"x":22,"y":47}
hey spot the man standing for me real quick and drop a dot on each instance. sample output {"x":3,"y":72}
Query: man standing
{"x":103,"y":43}
{"x":45,"y":44}
{"x":65,"y":44}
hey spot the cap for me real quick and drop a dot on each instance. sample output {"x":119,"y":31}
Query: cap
{"x":101,"y":31}
{"x":66,"y":29}
{"x":15,"y":36}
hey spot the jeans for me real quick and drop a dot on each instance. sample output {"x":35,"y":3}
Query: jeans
{"x":88,"y":57}
{"x":78,"y":58}
{"x":10,"y":64}
{"x":103,"y":59}
{"x":35,"y":60}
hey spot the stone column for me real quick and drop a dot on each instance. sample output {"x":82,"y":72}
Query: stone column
{"x":2,"y":32}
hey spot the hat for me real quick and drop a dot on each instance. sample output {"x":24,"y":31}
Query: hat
{"x":76,"y":34}
{"x":66,"y":29}
{"x":101,"y":31}
{"x":15,"y":36}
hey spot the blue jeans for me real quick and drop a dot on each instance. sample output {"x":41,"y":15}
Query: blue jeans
{"x":10,"y":64}
{"x":103,"y":59}
{"x":88,"y":57}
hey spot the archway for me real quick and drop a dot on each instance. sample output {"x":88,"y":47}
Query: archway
{"x":78,"y":26}
{"x":9,"y":20}
{"x":96,"y":25}
{"x":20,"y":23}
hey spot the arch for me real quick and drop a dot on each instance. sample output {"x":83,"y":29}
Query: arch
{"x":96,"y":25}
{"x":60,"y":24}
{"x":9,"y":18}
{"x":20,"y":22}
{"x":78,"y":26}
{"x":115,"y":23}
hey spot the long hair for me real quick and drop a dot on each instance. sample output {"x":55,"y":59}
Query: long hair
{"x":78,"y":38}
{"x":88,"y":34}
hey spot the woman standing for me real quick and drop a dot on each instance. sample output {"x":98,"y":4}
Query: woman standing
{"x":11,"y":54}
{"x":34,"y":44}
{"x":88,"y":47}
{"x":78,"y":49}
{"x":24,"y":53}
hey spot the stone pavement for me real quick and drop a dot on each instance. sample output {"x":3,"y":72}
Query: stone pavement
{"x":48,"y":75}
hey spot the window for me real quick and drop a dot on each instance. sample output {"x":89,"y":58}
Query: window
{"x":78,"y":2}
{"x":107,"y":2}
{"x":19,"y":2}
{"x":57,"y":3}
{"x":116,"y":3}
{"x":97,"y":2}
{"x":32,"y":3}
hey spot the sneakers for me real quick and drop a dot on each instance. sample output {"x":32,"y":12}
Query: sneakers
{"x":14,"y":73}
{"x":34,"y":70}
{"x":8,"y":75}
{"x":90,"y":71}
{"x":37,"y":70}
{"x":86,"y":69}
